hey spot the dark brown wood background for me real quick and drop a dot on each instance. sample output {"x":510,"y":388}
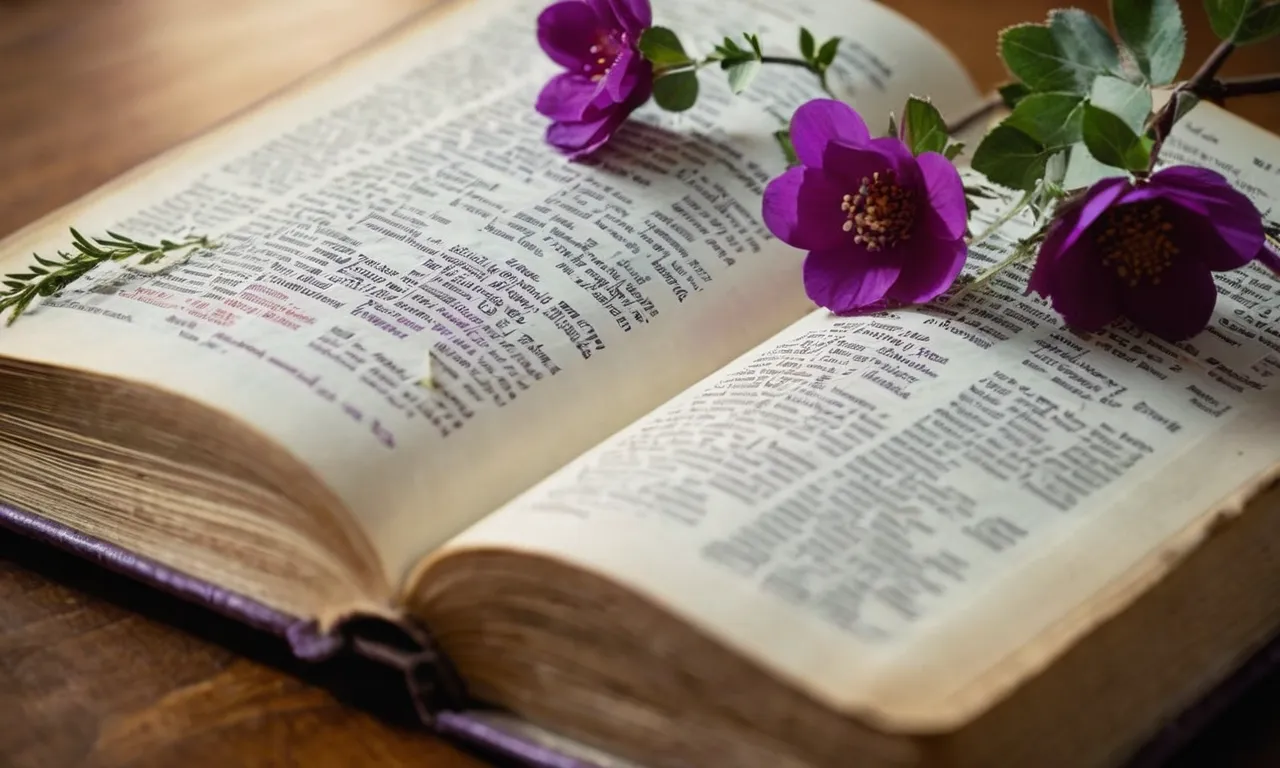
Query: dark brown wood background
{"x":95,"y":671}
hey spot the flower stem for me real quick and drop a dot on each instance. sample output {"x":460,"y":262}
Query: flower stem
{"x":1201,"y":80}
{"x":787,"y":60}
{"x":1005,"y":218}
{"x":1024,"y":250}
{"x":1218,"y":91}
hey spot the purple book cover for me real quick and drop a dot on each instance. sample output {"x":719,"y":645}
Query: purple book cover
{"x":439,"y":695}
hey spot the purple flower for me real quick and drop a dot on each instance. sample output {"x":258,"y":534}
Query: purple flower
{"x":607,"y":77}
{"x":1147,"y":251}
{"x":880,"y":225}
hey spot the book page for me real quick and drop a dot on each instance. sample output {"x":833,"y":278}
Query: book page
{"x":882,"y":509}
{"x":409,"y":206}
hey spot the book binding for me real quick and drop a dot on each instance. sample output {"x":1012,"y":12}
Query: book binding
{"x":439,"y":693}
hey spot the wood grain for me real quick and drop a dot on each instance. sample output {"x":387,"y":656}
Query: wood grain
{"x":96,"y":671}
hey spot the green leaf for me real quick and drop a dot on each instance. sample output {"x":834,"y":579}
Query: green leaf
{"x":1227,"y":16}
{"x":742,"y":73}
{"x":827,"y":53}
{"x":893,"y":128}
{"x":1153,"y":32}
{"x":661,"y":46}
{"x":807,"y":44}
{"x":1110,"y":140}
{"x":953,"y":150}
{"x":1011,"y":158}
{"x":1084,"y":41}
{"x":1262,"y":24}
{"x":1034,"y":57}
{"x":676,"y":92}
{"x":923,"y":128}
{"x":1052,"y":119}
{"x":1243,"y":21}
{"x":1131,"y":102}
{"x":82,"y":243}
{"x":754,"y":41}
{"x":783,"y":137}
{"x":1012,"y":93}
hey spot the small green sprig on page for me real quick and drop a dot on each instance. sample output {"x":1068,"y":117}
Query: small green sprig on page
{"x":46,"y":277}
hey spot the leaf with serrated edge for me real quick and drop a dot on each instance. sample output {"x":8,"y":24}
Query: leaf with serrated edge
{"x":1010,"y":158}
{"x":1262,"y":24}
{"x":1053,"y":119}
{"x":1153,"y":32}
{"x":1012,"y":93}
{"x":1132,"y":103}
{"x":1085,"y":42}
{"x":1033,"y":56}
{"x":923,"y":128}
{"x":1243,"y":22}
{"x":1113,"y":142}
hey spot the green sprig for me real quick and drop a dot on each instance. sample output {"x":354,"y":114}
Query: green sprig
{"x":675,"y":86}
{"x":47,"y":277}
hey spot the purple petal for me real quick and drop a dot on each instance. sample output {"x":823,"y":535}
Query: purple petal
{"x":848,"y":278}
{"x":1084,"y":292}
{"x":847,"y":165}
{"x":623,"y":75}
{"x":802,"y":209}
{"x":817,"y":123}
{"x":949,"y":214}
{"x":900,"y":161}
{"x":1041,"y":280}
{"x":567,"y":97}
{"x":929,"y":267}
{"x":578,"y":139}
{"x":566,"y":32}
{"x":634,"y":16}
{"x":581,"y":139}
{"x":1199,"y":188}
{"x":1095,"y":203}
{"x":1179,"y":307}
{"x":1200,"y":238}
{"x":1072,"y":222}
{"x":1208,"y":195}
{"x":1234,"y":217}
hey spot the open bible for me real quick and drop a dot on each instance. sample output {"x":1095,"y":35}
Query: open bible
{"x":651,"y":508}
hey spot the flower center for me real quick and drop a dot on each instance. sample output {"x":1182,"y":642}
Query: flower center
{"x":1134,"y":240}
{"x":881,"y":213}
{"x":609,"y":44}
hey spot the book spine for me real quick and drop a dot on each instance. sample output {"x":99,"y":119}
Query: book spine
{"x":404,"y":645}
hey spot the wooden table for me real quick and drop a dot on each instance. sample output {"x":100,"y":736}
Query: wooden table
{"x":96,"y":671}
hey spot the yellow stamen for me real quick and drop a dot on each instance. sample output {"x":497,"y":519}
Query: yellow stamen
{"x":1134,"y":241}
{"x":881,"y":212}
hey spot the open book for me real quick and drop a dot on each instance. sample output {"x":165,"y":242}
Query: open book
{"x":653,"y":508}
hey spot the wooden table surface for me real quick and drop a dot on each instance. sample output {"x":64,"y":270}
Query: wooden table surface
{"x":96,"y":671}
